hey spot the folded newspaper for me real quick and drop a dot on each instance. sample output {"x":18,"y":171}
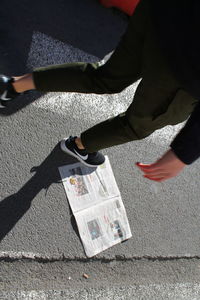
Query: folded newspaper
{"x":96,"y":203}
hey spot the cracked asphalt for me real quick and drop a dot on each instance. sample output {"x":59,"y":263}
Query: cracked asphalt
{"x":41,"y":255}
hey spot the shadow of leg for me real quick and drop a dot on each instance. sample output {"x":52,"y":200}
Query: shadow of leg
{"x":15,"y":206}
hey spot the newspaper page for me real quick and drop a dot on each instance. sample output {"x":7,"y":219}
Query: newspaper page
{"x":96,"y":203}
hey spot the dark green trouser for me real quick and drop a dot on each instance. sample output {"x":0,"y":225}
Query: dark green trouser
{"x":159,"y":99}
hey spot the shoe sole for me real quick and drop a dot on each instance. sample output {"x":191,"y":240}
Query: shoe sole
{"x":66,"y":150}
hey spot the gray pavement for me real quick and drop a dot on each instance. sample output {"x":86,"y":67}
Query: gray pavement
{"x":115,"y":279}
{"x":39,"y":239}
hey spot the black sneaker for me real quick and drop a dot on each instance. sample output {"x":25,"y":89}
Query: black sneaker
{"x":69,"y":146}
{"x":7,"y":92}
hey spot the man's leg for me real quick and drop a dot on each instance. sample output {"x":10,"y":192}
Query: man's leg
{"x":154,"y":106}
{"x":122,"y":68}
{"x":159,"y":101}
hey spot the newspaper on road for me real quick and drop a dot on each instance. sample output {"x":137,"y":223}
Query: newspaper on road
{"x":96,"y":203}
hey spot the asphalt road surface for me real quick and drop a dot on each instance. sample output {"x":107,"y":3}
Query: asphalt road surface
{"x":41,"y":255}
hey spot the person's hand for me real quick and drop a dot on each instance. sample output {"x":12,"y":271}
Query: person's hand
{"x":168,"y":166}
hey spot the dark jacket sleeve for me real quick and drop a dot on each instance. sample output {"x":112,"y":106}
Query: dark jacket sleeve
{"x":186,"y":144}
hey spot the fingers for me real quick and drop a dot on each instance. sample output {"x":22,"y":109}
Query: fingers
{"x":165,"y":167}
{"x":158,"y":178}
{"x":148,"y":168}
{"x":144,"y":166}
{"x":156,"y":175}
{"x":155,"y":179}
{"x":153,"y":172}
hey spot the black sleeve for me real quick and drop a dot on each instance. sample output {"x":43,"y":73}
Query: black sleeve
{"x":186,"y":144}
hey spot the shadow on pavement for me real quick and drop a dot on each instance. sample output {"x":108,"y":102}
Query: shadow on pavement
{"x":20,"y":102}
{"x":80,"y":23}
{"x":15,"y":206}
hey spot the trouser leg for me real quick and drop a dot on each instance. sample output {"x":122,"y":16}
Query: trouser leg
{"x":122,"y":69}
{"x":111,"y":132}
{"x":141,"y":119}
{"x":159,"y":101}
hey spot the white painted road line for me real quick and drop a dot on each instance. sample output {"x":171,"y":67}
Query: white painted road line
{"x":181,"y":291}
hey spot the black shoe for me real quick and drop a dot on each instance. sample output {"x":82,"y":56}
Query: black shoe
{"x":69,"y":146}
{"x":7,"y":92}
